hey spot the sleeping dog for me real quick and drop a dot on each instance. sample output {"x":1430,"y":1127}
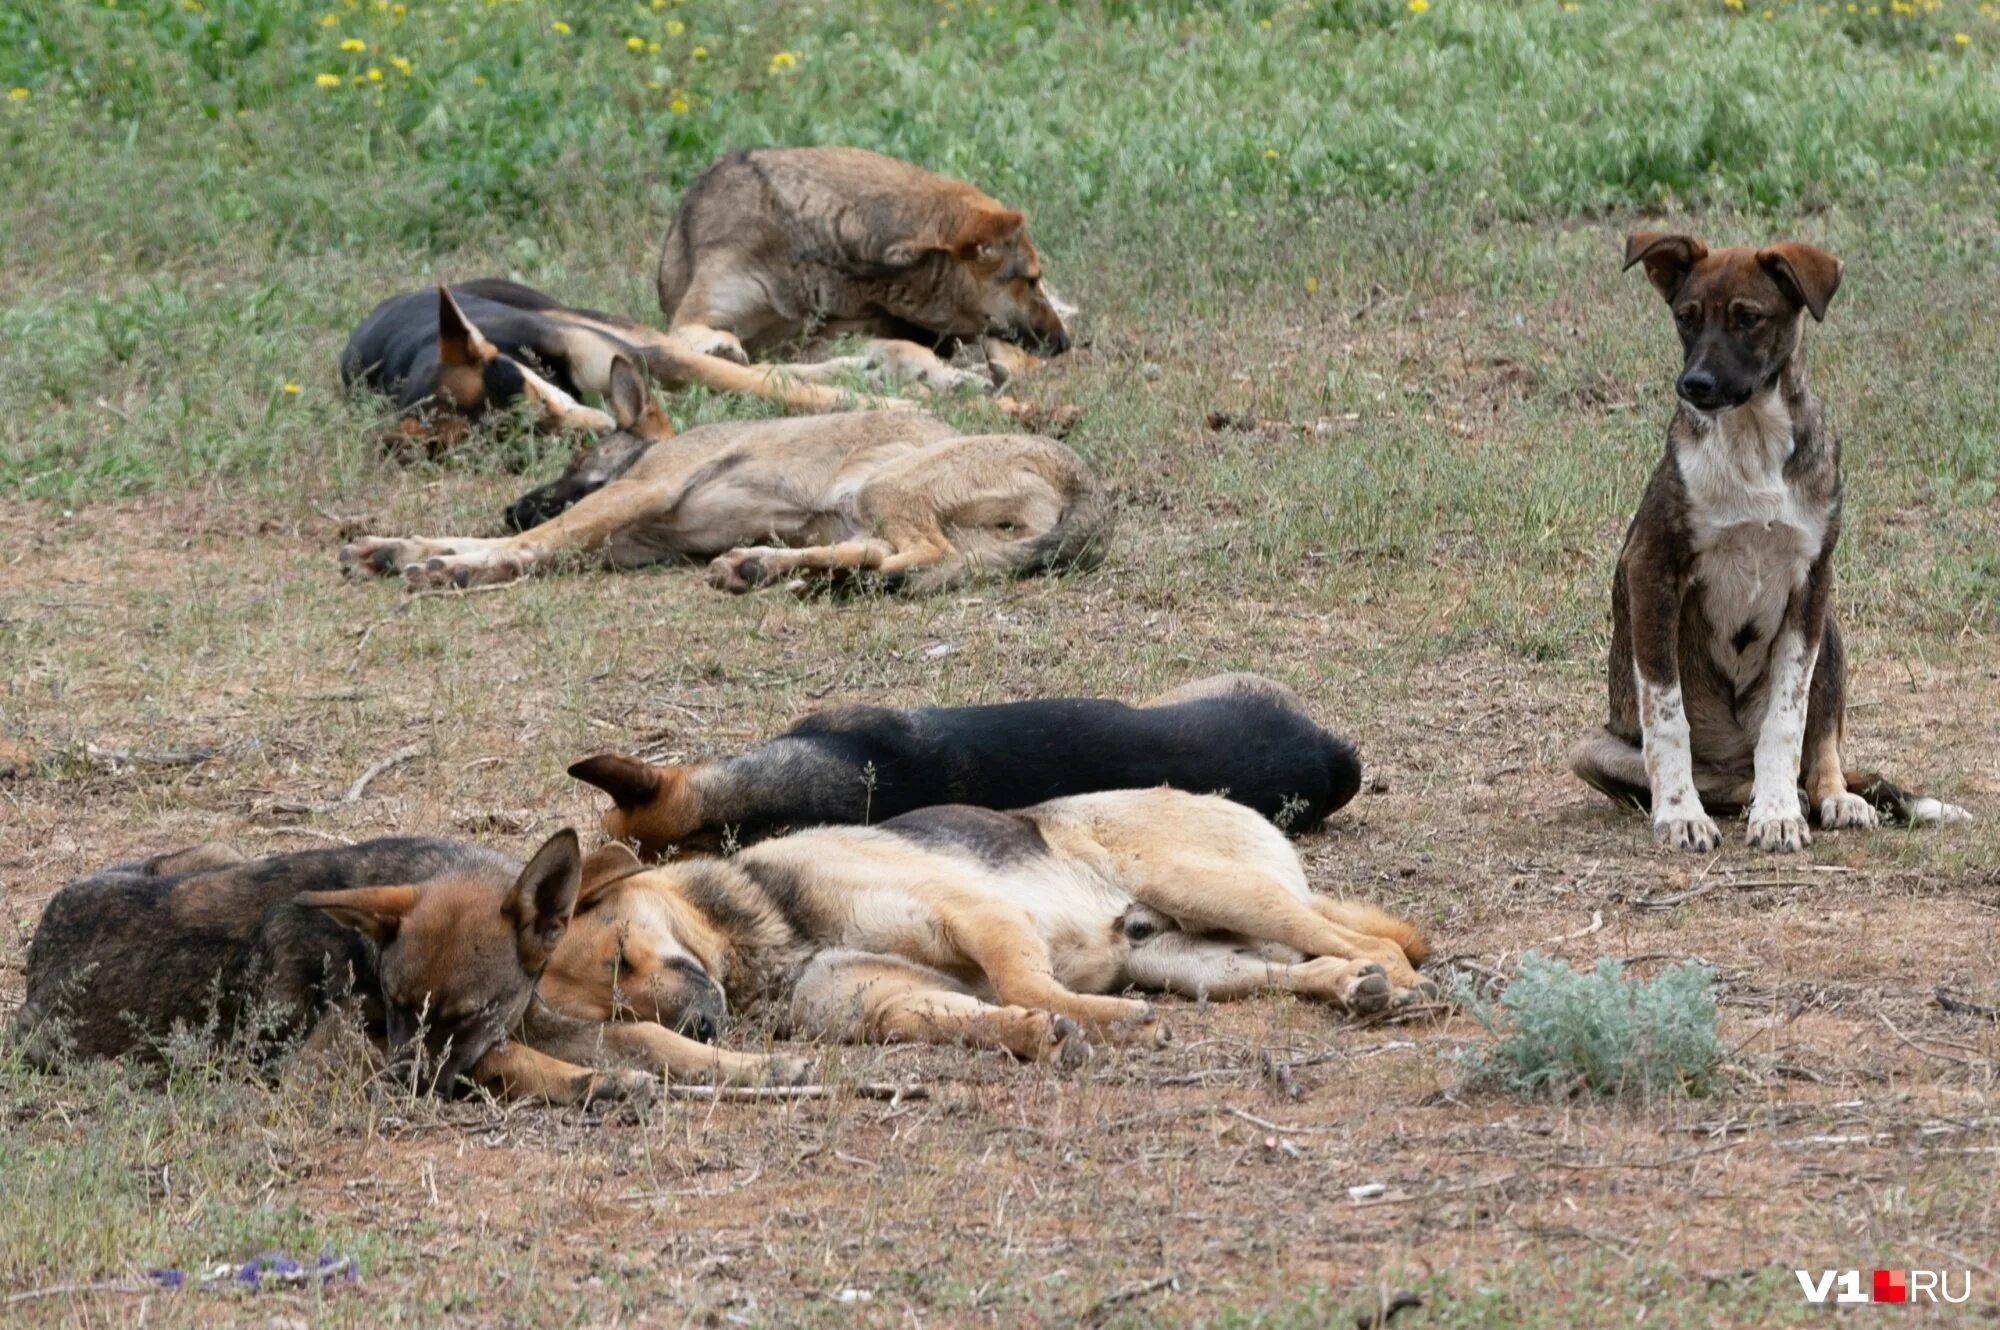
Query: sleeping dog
{"x":1235,"y":734}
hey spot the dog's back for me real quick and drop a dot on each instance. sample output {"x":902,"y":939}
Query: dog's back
{"x":123,"y":954}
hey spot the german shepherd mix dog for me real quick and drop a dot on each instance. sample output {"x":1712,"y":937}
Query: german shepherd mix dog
{"x":1236,"y":735}
{"x":899,"y":493}
{"x":1002,"y":930}
{"x":435,"y":945}
{"x":1728,"y":682}
{"x":774,"y":245}
{"x":449,"y":357}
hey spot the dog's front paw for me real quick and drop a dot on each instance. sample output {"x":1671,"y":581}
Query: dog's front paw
{"x":625,"y":1085}
{"x":1777,"y":831}
{"x":443,"y":572}
{"x":1368,"y":992}
{"x":384,"y":556}
{"x":1846,"y":810}
{"x":1697,"y":833}
{"x":740,"y":570}
{"x":787,"y":1069}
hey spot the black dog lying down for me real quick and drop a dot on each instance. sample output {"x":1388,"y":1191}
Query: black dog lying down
{"x":429,"y":943}
{"x":1234,"y":734}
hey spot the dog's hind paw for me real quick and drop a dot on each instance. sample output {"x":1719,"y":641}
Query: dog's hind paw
{"x":624,"y":1085}
{"x":1846,"y":810}
{"x":1687,"y":833}
{"x":444,"y":572}
{"x":1068,"y":1049}
{"x":1368,"y":991}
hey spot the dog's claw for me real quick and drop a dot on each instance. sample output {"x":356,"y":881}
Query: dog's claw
{"x":1688,"y":833}
{"x":1778,"y":835}
{"x":1846,"y":810}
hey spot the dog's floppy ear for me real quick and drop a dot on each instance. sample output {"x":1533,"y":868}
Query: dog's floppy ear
{"x":373,"y":912}
{"x":605,"y":867}
{"x":630,"y":782}
{"x":459,"y":342}
{"x":1668,"y":258}
{"x":544,"y":896}
{"x":1808,"y":275}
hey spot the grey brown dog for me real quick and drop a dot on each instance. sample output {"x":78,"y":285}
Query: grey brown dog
{"x":897,"y":493}
{"x":1727,"y":676}
{"x":773,"y":245}
{"x":435,"y":946}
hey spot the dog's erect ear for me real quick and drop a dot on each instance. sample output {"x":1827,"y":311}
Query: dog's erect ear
{"x":629,"y":395}
{"x":1808,"y":275}
{"x":373,"y":912}
{"x":1668,"y":258}
{"x":605,"y":867}
{"x":985,"y":230}
{"x":544,"y":896}
{"x":459,"y":342}
{"x":630,"y":782}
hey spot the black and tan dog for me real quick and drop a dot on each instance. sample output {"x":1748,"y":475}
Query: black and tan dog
{"x":436,"y":946}
{"x":1235,"y":734}
{"x":449,"y":357}
{"x":898,"y":493}
{"x":1727,"y":677}
{"x":1012,"y":931}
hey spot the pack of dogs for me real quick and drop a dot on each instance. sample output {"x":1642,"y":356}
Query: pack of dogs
{"x":1017,"y":877}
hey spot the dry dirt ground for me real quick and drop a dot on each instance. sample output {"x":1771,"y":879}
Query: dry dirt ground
{"x":191,"y":667}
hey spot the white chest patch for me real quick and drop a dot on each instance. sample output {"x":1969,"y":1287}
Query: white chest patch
{"x":1754,"y":542}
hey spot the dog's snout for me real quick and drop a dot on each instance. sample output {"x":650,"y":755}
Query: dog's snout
{"x":1698,"y":388}
{"x":1059,"y":343}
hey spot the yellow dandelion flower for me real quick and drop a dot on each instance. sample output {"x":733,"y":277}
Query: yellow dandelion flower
{"x":678,"y":106}
{"x":478,"y":80}
{"x":374,"y":76}
{"x":354,"y":44}
{"x":1312,"y":286}
{"x":1736,"y":5}
{"x":659,"y":4}
{"x":22,"y":94}
{"x":699,"y":53}
{"x":1419,"y":6}
{"x":1264,"y":23}
{"x":675,"y":27}
{"x":559,"y":26}
{"x":291,"y":390}
{"x":328,"y":20}
{"x":783,"y":60}
{"x":402,"y":64}
{"x":328,"y":80}
{"x":1961,"y":38}
{"x":652,"y":48}
{"x":635,"y":43}
{"x":400,"y":11}
{"x":1270,"y":154}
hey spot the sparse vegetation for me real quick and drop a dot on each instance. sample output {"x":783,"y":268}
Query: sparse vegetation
{"x":1557,"y":1030}
{"x":1379,"y":247}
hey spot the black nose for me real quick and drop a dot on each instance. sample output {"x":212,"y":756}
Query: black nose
{"x":1697,"y":387}
{"x":700,"y":1026}
{"x":1058,"y":344}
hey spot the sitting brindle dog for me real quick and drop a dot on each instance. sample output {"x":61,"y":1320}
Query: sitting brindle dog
{"x":1727,"y":677}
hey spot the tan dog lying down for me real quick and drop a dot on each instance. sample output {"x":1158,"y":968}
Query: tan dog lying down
{"x":953,"y":924}
{"x":900,"y":493}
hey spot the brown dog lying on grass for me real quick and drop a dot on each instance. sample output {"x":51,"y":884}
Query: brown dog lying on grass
{"x":771,"y":246}
{"x":898,"y":493}
{"x":434,"y":945}
{"x":953,"y":924}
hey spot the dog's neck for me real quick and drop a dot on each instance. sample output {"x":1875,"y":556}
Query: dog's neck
{"x":1750,"y":443}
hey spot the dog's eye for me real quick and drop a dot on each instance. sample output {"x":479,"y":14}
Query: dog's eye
{"x":1686,"y":316}
{"x":1743,"y":320}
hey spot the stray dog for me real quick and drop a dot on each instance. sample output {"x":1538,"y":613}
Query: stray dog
{"x":448,"y":358}
{"x":435,"y":945}
{"x":1237,"y":735}
{"x":772,"y":245}
{"x":1726,"y":663}
{"x":899,"y":493}
{"x":1002,"y":930}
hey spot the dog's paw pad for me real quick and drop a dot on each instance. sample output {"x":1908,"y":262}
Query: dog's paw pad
{"x":1369,"y":991}
{"x":1069,"y":1048}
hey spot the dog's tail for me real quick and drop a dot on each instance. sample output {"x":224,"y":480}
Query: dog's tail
{"x":1363,"y":918}
{"x":1894,"y":802}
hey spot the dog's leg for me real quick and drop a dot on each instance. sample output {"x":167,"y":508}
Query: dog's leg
{"x":1003,"y":942}
{"x":583,"y":528}
{"x":1825,"y":781}
{"x":1220,"y":969}
{"x":653,"y":1048}
{"x":866,"y":998}
{"x":1646,"y":612}
{"x":755,"y":566}
{"x":1228,"y":685}
{"x":514,"y":1071}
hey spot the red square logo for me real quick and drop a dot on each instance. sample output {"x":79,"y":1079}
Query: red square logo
{"x":1892,"y":1286}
